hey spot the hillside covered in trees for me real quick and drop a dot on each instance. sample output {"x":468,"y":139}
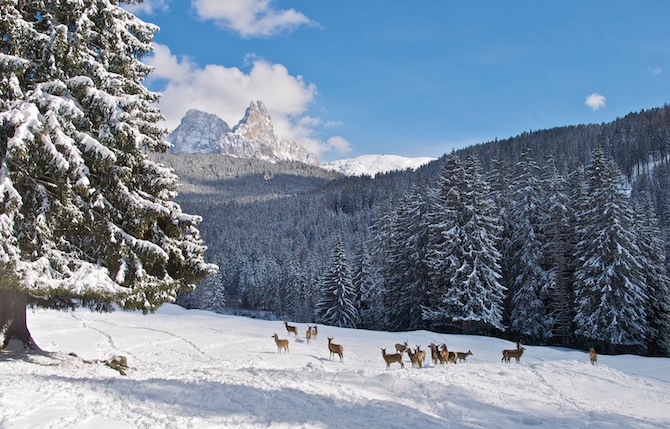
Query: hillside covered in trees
{"x":554,"y":237}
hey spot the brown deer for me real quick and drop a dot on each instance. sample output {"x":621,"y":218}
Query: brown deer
{"x":335,"y":348}
{"x":463,"y":356}
{"x":593,"y":355}
{"x":516,"y":353}
{"x":435,"y":354}
{"x":415,"y":358}
{"x":308,"y":334}
{"x":315,"y":332}
{"x":281,"y":344}
{"x":449,"y":357}
{"x":395,"y":357}
{"x":400,"y":348}
{"x":290,"y":329}
{"x":421,"y":354}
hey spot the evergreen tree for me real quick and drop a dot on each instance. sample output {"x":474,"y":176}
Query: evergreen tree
{"x":557,"y":286}
{"x":654,"y":268}
{"x":610,"y":289}
{"x":367,"y":299}
{"x":336,"y":304}
{"x":465,"y":260}
{"x":528,"y":315}
{"x":407,"y":272}
{"x":500,"y":180}
{"x":86,"y":214}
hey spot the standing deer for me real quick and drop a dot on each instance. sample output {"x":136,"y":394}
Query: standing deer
{"x":308,"y":334}
{"x":593,"y":355}
{"x":449,"y":357}
{"x":281,"y":344}
{"x":290,"y":329}
{"x":415,"y":358}
{"x":435,"y":354}
{"x":463,"y":356}
{"x":400,"y":348}
{"x":315,"y":332}
{"x":516,"y":353}
{"x":395,"y":357}
{"x":335,"y":348}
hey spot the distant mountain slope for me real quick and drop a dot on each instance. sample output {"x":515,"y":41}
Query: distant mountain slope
{"x":252,"y":137}
{"x":372,"y":165}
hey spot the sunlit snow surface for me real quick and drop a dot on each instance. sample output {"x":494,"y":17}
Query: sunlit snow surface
{"x":194,"y":369}
{"x":371,"y":165}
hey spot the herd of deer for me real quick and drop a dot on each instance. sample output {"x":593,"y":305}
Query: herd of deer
{"x":417,"y":357}
{"x":311,"y":334}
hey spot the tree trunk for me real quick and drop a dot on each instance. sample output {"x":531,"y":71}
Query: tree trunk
{"x":13,"y":318}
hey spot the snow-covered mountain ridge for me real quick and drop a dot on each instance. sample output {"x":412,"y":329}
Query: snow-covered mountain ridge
{"x":252,"y":137}
{"x":372,"y":165}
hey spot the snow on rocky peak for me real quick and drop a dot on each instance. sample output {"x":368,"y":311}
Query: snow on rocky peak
{"x":198,"y":132}
{"x":252,"y":137}
{"x":374,"y":164}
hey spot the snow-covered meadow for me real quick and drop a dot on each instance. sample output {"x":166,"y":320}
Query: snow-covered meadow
{"x":194,"y":369}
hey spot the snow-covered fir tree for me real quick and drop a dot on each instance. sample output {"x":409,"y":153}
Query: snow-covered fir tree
{"x":336,"y":303}
{"x":407,"y":272}
{"x":610,"y":290}
{"x":369,"y":294}
{"x":86,"y":214}
{"x":557,"y":251}
{"x":654,"y":260}
{"x":464,"y":259}
{"x":529,"y":317}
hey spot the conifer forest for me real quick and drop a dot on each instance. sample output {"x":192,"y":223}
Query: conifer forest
{"x":553,"y":237}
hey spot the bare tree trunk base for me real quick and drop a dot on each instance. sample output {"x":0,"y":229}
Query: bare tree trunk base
{"x":13,"y":321}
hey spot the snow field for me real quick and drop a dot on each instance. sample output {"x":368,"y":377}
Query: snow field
{"x":194,"y":369}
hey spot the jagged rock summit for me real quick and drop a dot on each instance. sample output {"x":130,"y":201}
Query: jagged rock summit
{"x":252,"y":137}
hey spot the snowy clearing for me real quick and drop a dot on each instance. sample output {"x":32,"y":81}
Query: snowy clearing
{"x":194,"y":369}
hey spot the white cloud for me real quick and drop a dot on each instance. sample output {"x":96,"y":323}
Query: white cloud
{"x":227,"y":92}
{"x":147,"y":6}
{"x":595,"y":101}
{"x":250,"y":18}
{"x":339,"y":144}
{"x":655,"y":70}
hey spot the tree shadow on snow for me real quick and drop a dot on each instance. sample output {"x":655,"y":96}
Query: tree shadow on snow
{"x":292,"y":407}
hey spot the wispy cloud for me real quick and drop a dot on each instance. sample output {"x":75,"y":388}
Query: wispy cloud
{"x":595,"y":101}
{"x":227,"y":92}
{"x":655,"y":70}
{"x":250,"y":18}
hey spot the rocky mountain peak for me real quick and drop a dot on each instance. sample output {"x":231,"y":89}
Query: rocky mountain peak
{"x":256,"y":124}
{"x":252,"y":137}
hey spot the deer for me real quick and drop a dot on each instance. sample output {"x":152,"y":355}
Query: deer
{"x":290,"y":329}
{"x":515,"y":353}
{"x":593,"y":355}
{"x":335,"y":348}
{"x":315,"y":332}
{"x":400,"y":348}
{"x":281,"y":344}
{"x":395,"y":357}
{"x":421,"y":354}
{"x":308,"y":334}
{"x":415,"y":358}
{"x":463,"y":356}
{"x":449,"y":357}
{"x":435,"y":354}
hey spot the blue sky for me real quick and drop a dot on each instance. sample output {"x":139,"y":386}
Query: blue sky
{"x":421,"y":78}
